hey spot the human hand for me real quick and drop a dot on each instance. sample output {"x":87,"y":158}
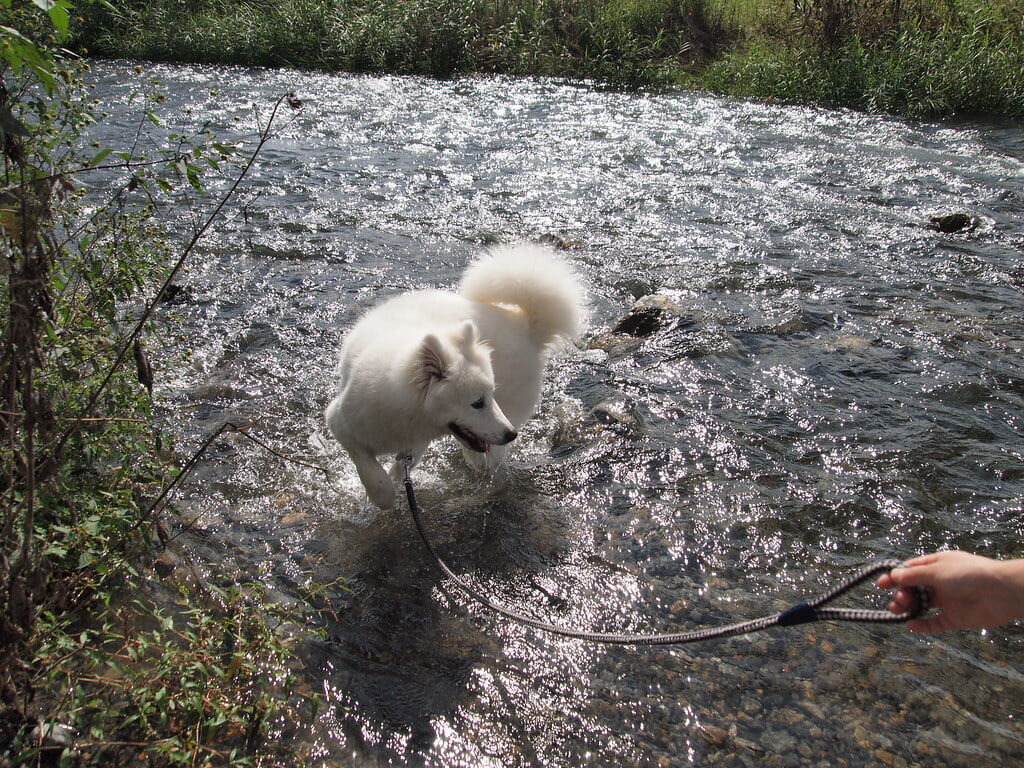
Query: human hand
{"x":973,"y":592}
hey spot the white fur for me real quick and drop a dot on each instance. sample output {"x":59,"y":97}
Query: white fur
{"x":425,"y":360}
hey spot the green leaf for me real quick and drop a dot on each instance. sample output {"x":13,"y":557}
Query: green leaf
{"x":20,"y":53}
{"x":58,"y":12}
{"x":55,"y":550}
{"x":193,"y":179}
{"x":59,"y":18}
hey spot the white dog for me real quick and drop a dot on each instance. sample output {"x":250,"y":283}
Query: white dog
{"x":431,"y":363}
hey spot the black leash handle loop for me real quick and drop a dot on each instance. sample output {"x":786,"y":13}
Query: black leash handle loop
{"x":801,"y":613}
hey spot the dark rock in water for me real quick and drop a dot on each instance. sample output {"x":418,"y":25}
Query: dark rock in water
{"x":620,"y":417}
{"x":650,"y":314}
{"x":640,"y":322}
{"x":954,"y":222}
{"x":635,"y":287}
{"x":177,"y":294}
{"x":559,"y":243}
{"x":647,"y":316}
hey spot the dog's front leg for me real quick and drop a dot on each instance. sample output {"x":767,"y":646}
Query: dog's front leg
{"x":485,"y":463}
{"x":413,"y":456}
{"x":375,"y":480}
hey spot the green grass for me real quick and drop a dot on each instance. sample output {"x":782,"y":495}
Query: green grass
{"x":923,"y":58}
{"x":625,"y":40}
{"x":967,"y":61}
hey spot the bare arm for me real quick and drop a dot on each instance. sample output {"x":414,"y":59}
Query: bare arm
{"x":973,"y":592}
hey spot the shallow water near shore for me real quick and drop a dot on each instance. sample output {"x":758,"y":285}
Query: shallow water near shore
{"x":843,"y":383}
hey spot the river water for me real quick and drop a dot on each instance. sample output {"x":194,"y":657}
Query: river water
{"x":843,"y":383}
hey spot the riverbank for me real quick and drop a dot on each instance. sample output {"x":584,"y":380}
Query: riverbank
{"x":114,"y":649}
{"x":913,"y":59}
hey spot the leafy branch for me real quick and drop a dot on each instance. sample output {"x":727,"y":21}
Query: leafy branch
{"x":128,"y":344}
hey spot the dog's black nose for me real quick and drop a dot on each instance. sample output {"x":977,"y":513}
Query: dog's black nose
{"x":511,"y":435}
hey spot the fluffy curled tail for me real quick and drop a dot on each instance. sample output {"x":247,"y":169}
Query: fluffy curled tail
{"x":531,"y":278}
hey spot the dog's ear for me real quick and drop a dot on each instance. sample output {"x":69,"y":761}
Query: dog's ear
{"x":433,"y":361}
{"x":466,"y":337}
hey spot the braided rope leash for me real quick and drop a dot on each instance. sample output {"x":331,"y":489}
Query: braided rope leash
{"x":801,"y":613}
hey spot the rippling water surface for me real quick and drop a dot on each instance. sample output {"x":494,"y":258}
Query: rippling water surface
{"x":843,"y":384}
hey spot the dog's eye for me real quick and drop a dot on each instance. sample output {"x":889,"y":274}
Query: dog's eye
{"x":479,"y":404}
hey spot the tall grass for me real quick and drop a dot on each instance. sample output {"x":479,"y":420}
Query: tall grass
{"x":909,"y":57}
{"x":955,"y":58}
{"x":639,"y":41}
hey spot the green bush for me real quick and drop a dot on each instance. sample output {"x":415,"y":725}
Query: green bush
{"x":939,"y":61}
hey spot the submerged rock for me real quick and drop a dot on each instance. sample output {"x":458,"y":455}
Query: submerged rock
{"x":619,"y":416}
{"x":570,"y":430}
{"x":954,"y":222}
{"x":649,"y":314}
{"x":559,"y":243}
{"x":658,"y":315}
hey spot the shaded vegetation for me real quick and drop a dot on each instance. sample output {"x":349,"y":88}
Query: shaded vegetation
{"x":93,"y":670}
{"x":909,"y":57}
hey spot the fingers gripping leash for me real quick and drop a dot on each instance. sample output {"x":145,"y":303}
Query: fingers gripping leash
{"x":801,"y":613}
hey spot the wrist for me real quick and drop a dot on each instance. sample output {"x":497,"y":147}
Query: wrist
{"x":1010,"y":574}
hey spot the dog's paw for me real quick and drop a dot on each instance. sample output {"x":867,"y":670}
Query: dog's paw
{"x":378,"y":483}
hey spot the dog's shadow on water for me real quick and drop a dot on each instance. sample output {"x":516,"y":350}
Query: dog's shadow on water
{"x":400,"y":649}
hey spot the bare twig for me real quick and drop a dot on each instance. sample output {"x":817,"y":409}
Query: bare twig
{"x":264,"y":137}
{"x":198,"y":455}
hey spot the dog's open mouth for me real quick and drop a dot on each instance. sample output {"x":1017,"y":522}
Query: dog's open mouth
{"x":475,"y":442}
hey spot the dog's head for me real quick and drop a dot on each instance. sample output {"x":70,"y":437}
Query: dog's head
{"x":457,"y":381}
